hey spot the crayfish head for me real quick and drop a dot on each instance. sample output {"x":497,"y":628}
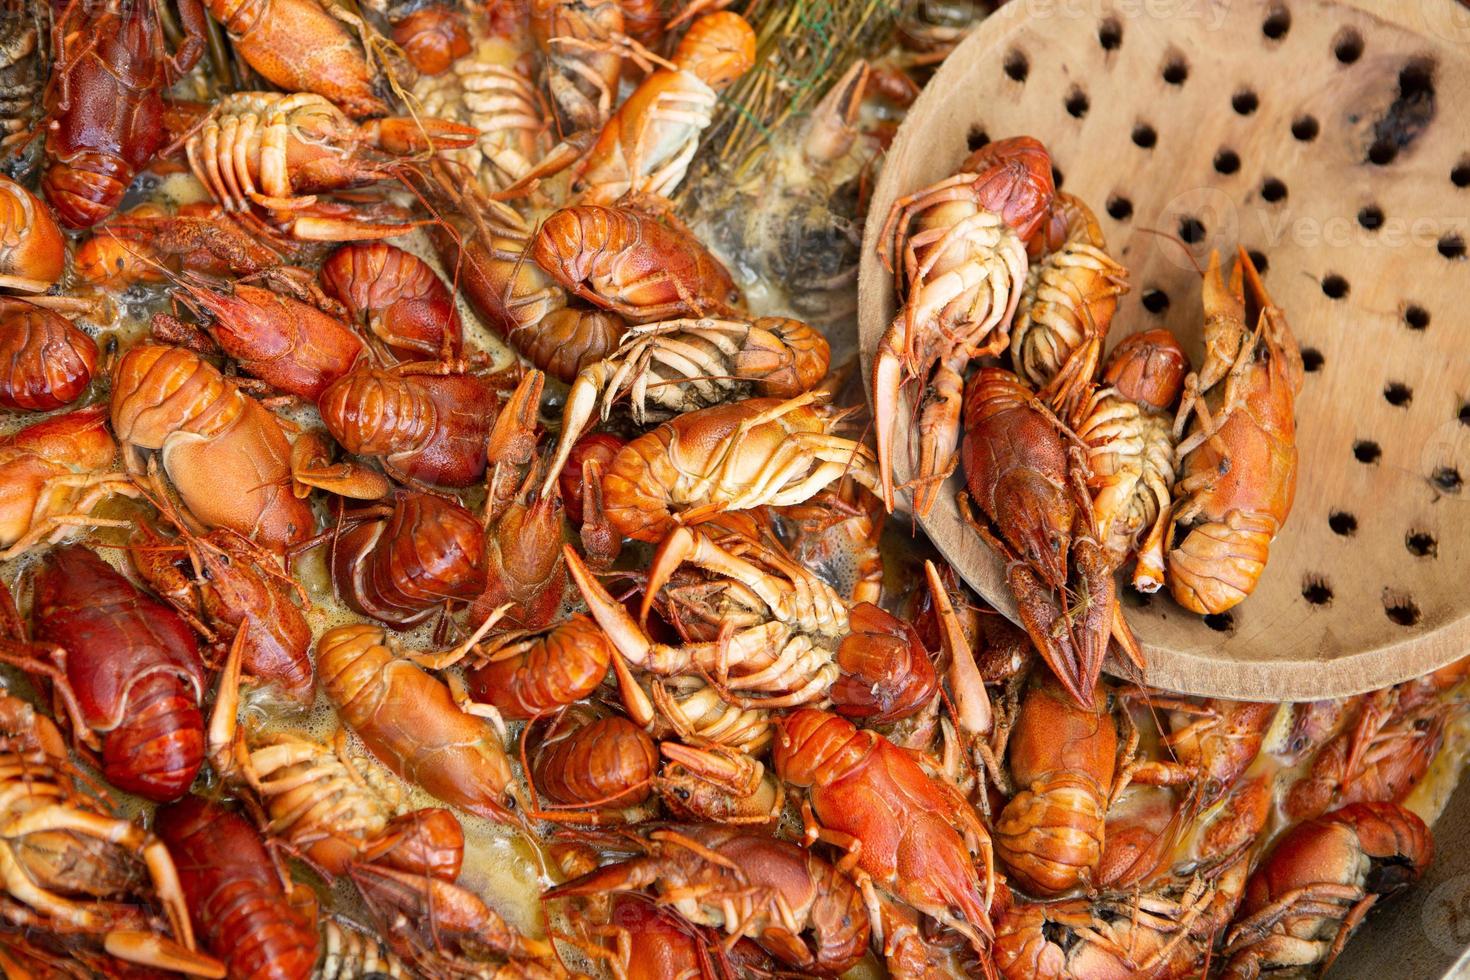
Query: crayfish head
{"x":1014,"y":179}
{"x":1037,"y":523}
{"x":1148,"y":367}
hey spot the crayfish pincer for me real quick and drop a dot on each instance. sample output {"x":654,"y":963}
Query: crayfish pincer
{"x":1028,"y":479}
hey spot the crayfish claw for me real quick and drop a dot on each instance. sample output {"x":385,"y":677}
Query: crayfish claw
{"x":152,"y":950}
{"x":972,"y":703}
{"x":888,"y":374}
{"x":680,"y":545}
{"x":626,"y":635}
{"x":405,"y":134}
{"x":1050,"y":630}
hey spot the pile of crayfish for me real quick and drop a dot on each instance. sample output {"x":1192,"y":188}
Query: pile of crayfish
{"x":1073,"y":466}
{"x":358,"y":364}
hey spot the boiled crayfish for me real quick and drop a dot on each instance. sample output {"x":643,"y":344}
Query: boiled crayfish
{"x":1238,"y":459}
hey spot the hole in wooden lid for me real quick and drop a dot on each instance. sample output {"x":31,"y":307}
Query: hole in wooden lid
{"x":1370,"y":217}
{"x":1057,"y":178}
{"x":1155,"y":300}
{"x":1348,"y":45}
{"x":1259,"y":260}
{"x":1421,"y":544}
{"x":1334,"y":286}
{"x":1145,"y":136}
{"x":1110,"y":34}
{"x":1227,"y":162}
{"x":1447,"y":479}
{"x":1316,"y":590}
{"x":1277,"y":23}
{"x":1311,"y":360}
{"x":977,"y":138}
{"x":1017,"y":65}
{"x":1305,"y":128}
{"x":1273,"y":190}
{"x":1191,"y":230}
{"x":1452,"y":246}
{"x":1382,"y":152}
{"x":1176,"y":69}
{"x":1120,"y":208}
{"x":1397,"y":393}
{"x":1245,"y":102}
{"x":1464,"y":413}
{"x":1367,"y":451}
{"x":1076,"y":103}
{"x":1342,"y":523}
{"x":1220,"y":622}
{"x":1460,"y":175}
{"x":1400,"y":608}
{"x":1416,"y":317}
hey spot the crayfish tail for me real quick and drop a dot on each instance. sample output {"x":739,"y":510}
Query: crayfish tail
{"x":1217,"y":565}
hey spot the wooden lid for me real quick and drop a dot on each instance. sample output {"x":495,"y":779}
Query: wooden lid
{"x":1334,"y":143}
